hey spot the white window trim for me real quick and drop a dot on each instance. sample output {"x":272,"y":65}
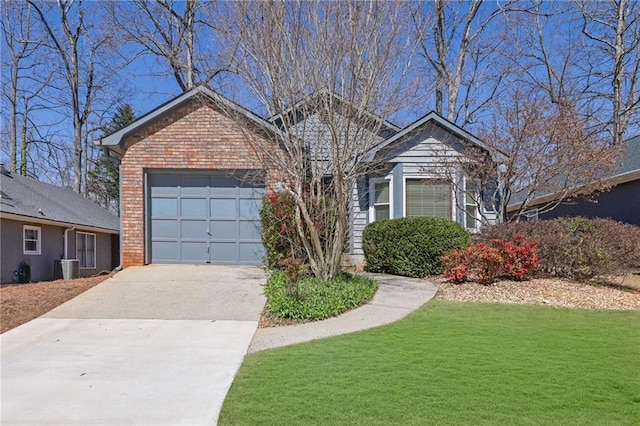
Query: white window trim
{"x":95,"y":249}
{"x":372,"y":197}
{"x":426,"y":177}
{"x":38,"y":240}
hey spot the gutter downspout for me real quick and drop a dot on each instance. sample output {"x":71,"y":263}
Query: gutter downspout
{"x":66,"y":243}
{"x":107,"y":153}
{"x":119,"y":267}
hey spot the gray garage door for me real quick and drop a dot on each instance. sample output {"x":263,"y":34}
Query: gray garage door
{"x":198,"y":218}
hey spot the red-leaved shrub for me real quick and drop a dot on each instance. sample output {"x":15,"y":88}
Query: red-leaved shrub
{"x":484,"y":262}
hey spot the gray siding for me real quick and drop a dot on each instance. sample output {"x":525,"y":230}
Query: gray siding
{"x":429,"y":153}
{"x":621,"y":203}
{"x":359,"y":214}
{"x":51,"y":249}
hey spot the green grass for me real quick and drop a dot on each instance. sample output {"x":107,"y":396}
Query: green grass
{"x":453,"y":363}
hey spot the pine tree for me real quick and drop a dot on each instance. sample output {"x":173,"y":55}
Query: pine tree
{"x":104,"y":178}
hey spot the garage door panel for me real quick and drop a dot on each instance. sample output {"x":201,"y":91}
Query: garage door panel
{"x":224,"y":230}
{"x":164,"y":185}
{"x":249,"y":231}
{"x":194,"y":251}
{"x":249,"y":209}
{"x":164,"y":207}
{"x":194,"y":229}
{"x":200,"y":218}
{"x":251,"y":251}
{"x":225,"y":252}
{"x":224,"y":208}
{"x":193,"y":207}
{"x":250,"y":191}
{"x":163,"y":228}
{"x":165,"y":251}
{"x":194,"y":185}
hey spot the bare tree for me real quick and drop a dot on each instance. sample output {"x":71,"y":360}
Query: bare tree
{"x":325,"y":73}
{"x":170,"y":30}
{"x":551,"y":157}
{"x":23,"y":43}
{"x":613,"y":28}
{"x":456,"y":42}
{"x":79,"y":45}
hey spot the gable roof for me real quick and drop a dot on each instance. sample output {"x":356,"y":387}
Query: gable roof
{"x":628,"y":170}
{"x":115,"y":140}
{"x":24,"y":198}
{"x":435,"y":118}
{"x":313,"y":102}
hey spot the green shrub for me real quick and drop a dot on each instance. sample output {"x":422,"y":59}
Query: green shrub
{"x":314,"y":298}
{"x":577,"y":247}
{"x":411,"y":246}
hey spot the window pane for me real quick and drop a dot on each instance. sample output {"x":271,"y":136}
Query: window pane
{"x":428,"y":199}
{"x":31,"y":234}
{"x":470,"y":192}
{"x":382,"y":212}
{"x":382,"y":192}
{"x":30,"y":246}
{"x":472,"y":214}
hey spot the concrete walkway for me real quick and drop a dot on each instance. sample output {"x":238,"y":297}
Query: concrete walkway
{"x":396,"y":298}
{"x":155,"y":345}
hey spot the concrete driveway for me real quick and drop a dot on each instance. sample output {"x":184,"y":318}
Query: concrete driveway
{"x":154,"y":345}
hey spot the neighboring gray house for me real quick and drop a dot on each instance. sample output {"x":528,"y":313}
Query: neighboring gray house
{"x":621,"y":202}
{"x":42,"y":224}
{"x":184,"y":198}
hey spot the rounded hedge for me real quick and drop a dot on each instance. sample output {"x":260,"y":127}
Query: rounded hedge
{"x":411,"y":246}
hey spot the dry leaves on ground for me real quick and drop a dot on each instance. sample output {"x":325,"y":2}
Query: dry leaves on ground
{"x":20,"y":303}
{"x":544,"y":291}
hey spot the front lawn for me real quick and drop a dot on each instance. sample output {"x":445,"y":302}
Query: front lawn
{"x":453,"y":363}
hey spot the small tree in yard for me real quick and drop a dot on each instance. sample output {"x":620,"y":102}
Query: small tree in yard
{"x":545,"y":148}
{"x":549,"y":151}
{"x":341,"y":59}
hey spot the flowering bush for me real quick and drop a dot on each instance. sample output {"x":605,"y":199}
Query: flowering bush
{"x":486,"y":261}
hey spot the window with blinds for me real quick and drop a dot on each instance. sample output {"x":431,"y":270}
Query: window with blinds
{"x":428,"y":198}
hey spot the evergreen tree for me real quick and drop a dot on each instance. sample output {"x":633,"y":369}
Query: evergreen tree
{"x":104,"y":178}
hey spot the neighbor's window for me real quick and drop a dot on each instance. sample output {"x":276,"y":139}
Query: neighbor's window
{"x":86,"y":249}
{"x":470,"y":205}
{"x":428,"y":198}
{"x":381,"y":206}
{"x":31,"y":239}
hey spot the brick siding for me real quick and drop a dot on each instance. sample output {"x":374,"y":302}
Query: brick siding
{"x":194,"y":136}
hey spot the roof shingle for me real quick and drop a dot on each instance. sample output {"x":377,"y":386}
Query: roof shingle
{"x":30,"y":198}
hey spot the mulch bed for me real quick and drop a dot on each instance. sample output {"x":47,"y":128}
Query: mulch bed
{"x":20,"y":303}
{"x":615,"y":294}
